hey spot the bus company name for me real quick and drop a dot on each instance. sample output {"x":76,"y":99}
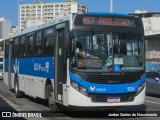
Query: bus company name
{"x":39,"y":67}
{"x":97,"y":89}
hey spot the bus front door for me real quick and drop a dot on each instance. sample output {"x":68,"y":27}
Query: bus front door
{"x":59,"y":65}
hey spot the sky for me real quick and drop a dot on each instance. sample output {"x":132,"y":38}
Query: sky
{"x":9,"y":8}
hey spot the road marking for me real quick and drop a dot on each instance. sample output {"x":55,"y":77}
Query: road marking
{"x":152,"y":102}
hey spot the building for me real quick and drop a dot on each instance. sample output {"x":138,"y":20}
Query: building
{"x":14,"y":30}
{"x":151,"y":22}
{"x":5,"y":27}
{"x":38,"y":12}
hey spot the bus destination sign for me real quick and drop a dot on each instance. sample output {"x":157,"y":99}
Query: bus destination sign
{"x":105,"y":21}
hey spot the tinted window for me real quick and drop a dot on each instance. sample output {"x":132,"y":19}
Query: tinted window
{"x":38,"y":44}
{"x":6,"y":48}
{"x":155,"y":75}
{"x":31,"y":50}
{"x":49,"y":42}
{"x":23,"y":46}
{"x":149,"y":75}
{"x":16,"y":47}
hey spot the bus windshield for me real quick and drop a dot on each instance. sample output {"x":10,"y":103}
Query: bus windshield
{"x":107,"y":51}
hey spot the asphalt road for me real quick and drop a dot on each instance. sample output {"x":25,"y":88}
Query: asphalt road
{"x":27,"y":106}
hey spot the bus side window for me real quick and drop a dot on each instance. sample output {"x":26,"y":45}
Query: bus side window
{"x":38,"y":44}
{"x":6,"y":48}
{"x":48,"y":44}
{"x":31,"y":48}
{"x":16,"y":47}
{"x":23,"y":46}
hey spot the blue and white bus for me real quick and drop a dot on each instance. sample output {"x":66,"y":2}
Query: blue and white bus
{"x":43,"y":61}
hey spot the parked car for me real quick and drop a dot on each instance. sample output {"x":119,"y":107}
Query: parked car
{"x":153,"y":82}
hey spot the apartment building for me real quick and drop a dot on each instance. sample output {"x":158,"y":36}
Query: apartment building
{"x":38,"y":12}
{"x":151,"y":21}
{"x":5,"y":27}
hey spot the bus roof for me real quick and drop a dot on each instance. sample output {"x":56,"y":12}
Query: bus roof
{"x":108,"y":13}
{"x":40,"y":26}
{"x":59,"y":20}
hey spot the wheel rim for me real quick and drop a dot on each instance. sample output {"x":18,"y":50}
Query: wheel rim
{"x":51,"y":101}
{"x":16,"y":88}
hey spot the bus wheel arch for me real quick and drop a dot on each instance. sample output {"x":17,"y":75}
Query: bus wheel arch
{"x":48,"y":83}
{"x":50,"y":96}
{"x":17,"y":92}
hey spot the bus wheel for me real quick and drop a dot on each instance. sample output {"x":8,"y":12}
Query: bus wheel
{"x":18,"y":94}
{"x":51,"y":103}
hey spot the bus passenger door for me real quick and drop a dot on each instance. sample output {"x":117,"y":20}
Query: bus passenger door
{"x":59,"y":63}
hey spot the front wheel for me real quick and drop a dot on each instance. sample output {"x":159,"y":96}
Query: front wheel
{"x":51,"y":102}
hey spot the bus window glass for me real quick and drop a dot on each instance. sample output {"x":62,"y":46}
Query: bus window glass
{"x":6,"y":48}
{"x":49,"y":41}
{"x":31,"y":45}
{"x":38,"y":43}
{"x":105,"y":50}
{"x":23,"y":46}
{"x":16,"y":47}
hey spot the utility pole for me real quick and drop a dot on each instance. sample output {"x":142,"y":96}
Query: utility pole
{"x":19,"y":2}
{"x":111,"y":6}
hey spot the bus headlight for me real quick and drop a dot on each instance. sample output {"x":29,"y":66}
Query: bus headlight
{"x":83,"y":90}
{"x":140,"y":88}
{"x":74,"y":85}
{"x":79,"y":88}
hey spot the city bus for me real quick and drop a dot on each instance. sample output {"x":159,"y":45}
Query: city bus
{"x":43,"y":61}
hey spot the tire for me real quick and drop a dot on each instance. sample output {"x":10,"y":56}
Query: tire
{"x":18,"y":93}
{"x":51,"y":102}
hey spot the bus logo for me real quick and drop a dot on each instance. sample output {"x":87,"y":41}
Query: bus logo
{"x":92,"y":88}
{"x":16,"y":66}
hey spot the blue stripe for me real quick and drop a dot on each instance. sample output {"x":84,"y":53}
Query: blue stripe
{"x":39,"y":66}
{"x":107,"y":88}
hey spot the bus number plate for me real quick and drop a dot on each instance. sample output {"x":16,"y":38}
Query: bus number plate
{"x":113,"y":99}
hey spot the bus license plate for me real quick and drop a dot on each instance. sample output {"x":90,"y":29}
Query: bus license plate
{"x":113,"y":99}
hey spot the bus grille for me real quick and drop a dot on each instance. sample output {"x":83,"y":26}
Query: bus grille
{"x":103,"y":98}
{"x":112,"y":79}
